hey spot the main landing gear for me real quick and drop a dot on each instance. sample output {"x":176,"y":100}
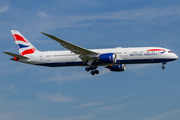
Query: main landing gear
{"x":93,"y":70}
{"x":163,"y":67}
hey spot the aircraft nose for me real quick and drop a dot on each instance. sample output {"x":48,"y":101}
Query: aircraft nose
{"x":175,"y":56}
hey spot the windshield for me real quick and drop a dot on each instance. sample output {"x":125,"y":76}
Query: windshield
{"x":170,"y":52}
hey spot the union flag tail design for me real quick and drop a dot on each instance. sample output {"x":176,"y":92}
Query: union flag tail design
{"x":24,"y":46}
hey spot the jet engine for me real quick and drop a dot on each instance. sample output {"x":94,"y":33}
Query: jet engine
{"x":117,"y":68}
{"x":107,"y":58}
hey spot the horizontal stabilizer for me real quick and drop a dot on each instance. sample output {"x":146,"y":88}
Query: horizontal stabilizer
{"x":15,"y":55}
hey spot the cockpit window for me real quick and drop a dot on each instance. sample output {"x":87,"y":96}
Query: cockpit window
{"x":170,"y":52}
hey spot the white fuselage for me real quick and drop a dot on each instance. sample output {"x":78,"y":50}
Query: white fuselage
{"x":123,"y":56}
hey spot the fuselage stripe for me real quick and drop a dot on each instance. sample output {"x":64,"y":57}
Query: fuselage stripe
{"x":156,"y":50}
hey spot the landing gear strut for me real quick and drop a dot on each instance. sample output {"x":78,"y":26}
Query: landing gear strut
{"x":163,"y":67}
{"x":93,"y":70}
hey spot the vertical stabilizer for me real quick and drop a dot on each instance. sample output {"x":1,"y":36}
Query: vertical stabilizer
{"x":24,"y":46}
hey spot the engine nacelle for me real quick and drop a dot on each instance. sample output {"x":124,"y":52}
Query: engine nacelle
{"x":117,"y":68}
{"x":107,"y":58}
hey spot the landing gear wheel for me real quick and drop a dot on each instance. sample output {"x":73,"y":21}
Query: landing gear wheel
{"x":163,"y":67}
{"x":92,"y":72}
{"x":87,"y":69}
{"x":96,"y":71}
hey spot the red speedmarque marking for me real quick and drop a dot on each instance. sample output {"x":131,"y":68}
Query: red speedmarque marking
{"x":29,"y":51}
{"x":156,"y":50}
{"x":19,"y":38}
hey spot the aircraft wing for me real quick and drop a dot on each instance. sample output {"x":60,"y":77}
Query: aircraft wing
{"x":15,"y":55}
{"x":85,"y":54}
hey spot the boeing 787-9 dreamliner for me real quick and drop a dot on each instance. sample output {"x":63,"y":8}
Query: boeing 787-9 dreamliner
{"x":114,"y":59}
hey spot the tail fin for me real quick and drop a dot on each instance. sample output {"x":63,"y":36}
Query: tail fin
{"x":24,"y":46}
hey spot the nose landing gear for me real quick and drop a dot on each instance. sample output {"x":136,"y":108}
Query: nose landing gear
{"x":163,"y":67}
{"x":93,"y":70}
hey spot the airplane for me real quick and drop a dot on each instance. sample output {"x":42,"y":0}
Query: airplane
{"x":115,"y":59}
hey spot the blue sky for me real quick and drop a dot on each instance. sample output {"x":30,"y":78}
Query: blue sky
{"x":142,"y":92}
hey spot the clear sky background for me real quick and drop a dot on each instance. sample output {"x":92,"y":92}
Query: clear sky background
{"x":142,"y":92}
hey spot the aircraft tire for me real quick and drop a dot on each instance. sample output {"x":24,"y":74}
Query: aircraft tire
{"x":92,"y":72}
{"x":87,"y":69}
{"x":96,"y":71}
{"x":163,"y":67}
